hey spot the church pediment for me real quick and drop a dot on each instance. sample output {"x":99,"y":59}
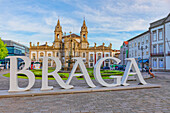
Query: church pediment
{"x":72,"y":36}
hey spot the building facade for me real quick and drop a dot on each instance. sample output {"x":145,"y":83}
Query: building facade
{"x":68,"y":46}
{"x":160,"y":44}
{"x":15,"y":49}
{"x":152,"y":46}
{"x":139,"y":48}
{"x":124,"y":53}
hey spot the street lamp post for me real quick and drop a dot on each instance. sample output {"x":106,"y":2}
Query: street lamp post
{"x":70,"y":55}
{"x":142,"y":55}
{"x":124,"y":57}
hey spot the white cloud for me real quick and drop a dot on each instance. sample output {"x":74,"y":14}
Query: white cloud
{"x":123,"y":15}
{"x":115,"y":41}
{"x":111,"y":18}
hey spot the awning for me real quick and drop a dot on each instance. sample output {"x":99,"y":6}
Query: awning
{"x":144,"y":61}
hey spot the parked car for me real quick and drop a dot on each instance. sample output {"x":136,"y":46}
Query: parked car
{"x":21,"y":65}
{"x":2,"y":66}
{"x":116,"y":67}
{"x":36,"y":65}
{"x":106,"y":68}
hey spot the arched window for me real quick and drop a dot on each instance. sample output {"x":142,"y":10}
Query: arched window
{"x":49,"y":54}
{"x":33,"y":56}
{"x":84,"y":35}
{"x":91,"y":57}
{"x":84,"y":55}
{"x":57,"y":54}
{"x":41,"y":54}
{"x":99,"y":56}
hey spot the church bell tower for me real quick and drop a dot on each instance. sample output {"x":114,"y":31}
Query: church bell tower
{"x":84,"y":32}
{"x":83,"y":35}
{"x":58,"y":35}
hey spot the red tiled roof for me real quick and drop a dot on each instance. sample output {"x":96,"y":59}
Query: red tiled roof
{"x":126,"y":42}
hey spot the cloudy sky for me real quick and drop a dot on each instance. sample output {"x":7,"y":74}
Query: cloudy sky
{"x":107,"y":20}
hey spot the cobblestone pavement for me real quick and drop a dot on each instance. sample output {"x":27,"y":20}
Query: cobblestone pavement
{"x":129,"y":101}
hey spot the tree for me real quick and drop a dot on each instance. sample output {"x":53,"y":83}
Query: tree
{"x":3,"y":50}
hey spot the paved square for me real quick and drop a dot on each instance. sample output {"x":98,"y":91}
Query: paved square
{"x":128,"y":101}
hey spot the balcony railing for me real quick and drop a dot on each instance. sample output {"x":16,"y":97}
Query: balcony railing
{"x":157,"y":54}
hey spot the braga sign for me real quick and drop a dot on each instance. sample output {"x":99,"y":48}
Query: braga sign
{"x":131,"y":64}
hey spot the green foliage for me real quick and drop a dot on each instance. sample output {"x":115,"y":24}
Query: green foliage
{"x":91,"y":74}
{"x":25,"y":77}
{"x":3,"y":50}
{"x":104,"y":73}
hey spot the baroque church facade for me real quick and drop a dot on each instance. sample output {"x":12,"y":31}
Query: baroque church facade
{"x":69,"y":46}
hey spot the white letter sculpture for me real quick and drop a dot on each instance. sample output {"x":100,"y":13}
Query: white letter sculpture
{"x":54,"y":73}
{"x":98,"y":76}
{"x":83,"y":70}
{"x":13,"y":74}
{"x":132,"y":64}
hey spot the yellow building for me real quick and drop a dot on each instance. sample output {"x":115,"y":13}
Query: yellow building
{"x":66,"y":47}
